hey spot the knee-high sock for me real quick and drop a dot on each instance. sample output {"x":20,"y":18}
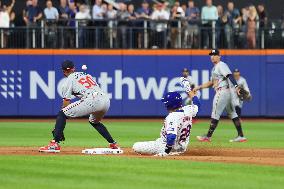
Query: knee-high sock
{"x":238,"y":111}
{"x":238,"y":126}
{"x":213,"y":125}
{"x":59,"y":126}
{"x":103,"y":131}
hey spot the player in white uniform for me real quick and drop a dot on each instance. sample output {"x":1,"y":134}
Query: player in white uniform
{"x":242,"y":83}
{"x":187,"y":83}
{"x":175,"y":134}
{"x":93,"y":102}
{"x":223,"y":99}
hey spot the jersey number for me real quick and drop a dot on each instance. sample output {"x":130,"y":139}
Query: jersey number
{"x":87,"y":82}
{"x":184,"y":133}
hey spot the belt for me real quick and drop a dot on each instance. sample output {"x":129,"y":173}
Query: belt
{"x":221,"y":88}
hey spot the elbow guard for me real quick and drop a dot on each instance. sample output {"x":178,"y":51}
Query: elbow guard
{"x":196,"y":102}
{"x":171,"y":139}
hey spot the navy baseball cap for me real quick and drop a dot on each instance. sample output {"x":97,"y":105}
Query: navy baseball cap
{"x":214,"y":52}
{"x":236,"y":70}
{"x":67,"y":65}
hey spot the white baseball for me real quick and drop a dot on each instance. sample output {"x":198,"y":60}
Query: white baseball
{"x":84,"y":67}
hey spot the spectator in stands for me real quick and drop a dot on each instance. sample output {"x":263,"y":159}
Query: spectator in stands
{"x":32,"y":15}
{"x":262,"y":16}
{"x":70,"y":32}
{"x":251,"y":27}
{"x":160,"y":15}
{"x":209,"y":14}
{"x":51,"y":14}
{"x":98,"y":12}
{"x":83,"y":15}
{"x":112,"y":14}
{"x":177,"y":15}
{"x":192,"y":31}
{"x":231,"y":28}
{"x":63,"y":11}
{"x":132,"y":31}
{"x":143,"y":13}
{"x":221,"y":28}
{"x":4,"y":25}
{"x":123,"y":17}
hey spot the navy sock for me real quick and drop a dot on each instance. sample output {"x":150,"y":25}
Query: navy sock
{"x":238,"y":111}
{"x":238,"y":126}
{"x":103,"y":131}
{"x":59,"y":126}
{"x":213,"y":125}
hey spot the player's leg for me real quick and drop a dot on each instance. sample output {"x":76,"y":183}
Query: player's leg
{"x":149,"y":147}
{"x":219,"y":104}
{"x":101,"y":107}
{"x":236,"y":120}
{"x":238,"y":111}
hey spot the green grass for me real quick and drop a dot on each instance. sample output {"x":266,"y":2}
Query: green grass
{"x":62,"y":172}
{"x":260,"y":134}
{"x":40,"y":172}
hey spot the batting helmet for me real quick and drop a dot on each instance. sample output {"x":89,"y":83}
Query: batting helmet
{"x":172,"y":100}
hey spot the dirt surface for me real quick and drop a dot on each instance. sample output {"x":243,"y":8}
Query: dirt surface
{"x":272,"y":157}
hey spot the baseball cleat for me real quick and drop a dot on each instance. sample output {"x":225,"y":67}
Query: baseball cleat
{"x":203,"y":139}
{"x":239,"y":139}
{"x":114,"y":146}
{"x":52,"y":147}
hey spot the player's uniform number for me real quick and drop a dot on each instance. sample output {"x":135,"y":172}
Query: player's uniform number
{"x":185,"y":132}
{"x":87,"y":82}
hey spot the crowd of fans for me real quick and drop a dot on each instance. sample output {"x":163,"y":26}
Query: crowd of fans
{"x":168,"y":25}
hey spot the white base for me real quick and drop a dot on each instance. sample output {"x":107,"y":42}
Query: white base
{"x":96,"y":151}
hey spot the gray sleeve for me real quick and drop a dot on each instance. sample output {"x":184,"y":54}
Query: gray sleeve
{"x":224,"y":70}
{"x":245,"y":85}
{"x":67,"y":89}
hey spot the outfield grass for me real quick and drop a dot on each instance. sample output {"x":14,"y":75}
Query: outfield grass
{"x":46,"y":172}
{"x":40,"y":172}
{"x":260,"y":134}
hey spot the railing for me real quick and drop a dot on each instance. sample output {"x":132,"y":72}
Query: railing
{"x":141,"y":34}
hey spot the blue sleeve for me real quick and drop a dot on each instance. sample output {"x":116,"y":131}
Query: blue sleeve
{"x":196,"y":102}
{"x":171,"y":139}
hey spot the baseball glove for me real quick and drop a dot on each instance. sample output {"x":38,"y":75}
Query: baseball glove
{"x":244,"y":95}
{"x":62,"y":138}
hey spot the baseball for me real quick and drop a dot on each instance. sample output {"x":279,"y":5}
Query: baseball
{"x":84,"y":67}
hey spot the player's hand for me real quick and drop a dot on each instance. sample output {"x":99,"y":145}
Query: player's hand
{"x":196,"y":89}
{"x":238,"y":89}
{"x":192,"y":94}
{"x":163,"y":154}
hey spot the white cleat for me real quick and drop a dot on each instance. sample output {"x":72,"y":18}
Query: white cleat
{"x":239,"y":139}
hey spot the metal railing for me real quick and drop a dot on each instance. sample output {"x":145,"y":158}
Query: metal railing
{"x":141,"y":34}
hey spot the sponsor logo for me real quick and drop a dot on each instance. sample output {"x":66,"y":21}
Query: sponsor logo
{"x":11,"y":84}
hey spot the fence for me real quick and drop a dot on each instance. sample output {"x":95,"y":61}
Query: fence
{"x":142,"y":34}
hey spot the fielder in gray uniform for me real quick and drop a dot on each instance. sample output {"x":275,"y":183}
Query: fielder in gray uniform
{"x":242,"y":83}
{"x":93,"y":102}
{"x":221,"y":76}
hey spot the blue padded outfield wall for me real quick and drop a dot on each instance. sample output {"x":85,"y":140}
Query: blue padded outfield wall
{"x":30,"y":84}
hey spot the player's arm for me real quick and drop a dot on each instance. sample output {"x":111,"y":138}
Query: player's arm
{"x":171,"y":130}
{"x":65,"y":102}
{"x":204,"y":85}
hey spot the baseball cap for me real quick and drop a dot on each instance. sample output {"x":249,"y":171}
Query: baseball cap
{"x":214,"y":52}
{"x":185,"y":70}
{"x":67,"y":65}
{"x":236,"y":70}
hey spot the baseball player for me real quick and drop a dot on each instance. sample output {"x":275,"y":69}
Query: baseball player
{"x":93,"y":102}
{"x":186,"y":81}
{"x":220,"y":78}
{"x":243,"y":84}
{"x":175,"y":134}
